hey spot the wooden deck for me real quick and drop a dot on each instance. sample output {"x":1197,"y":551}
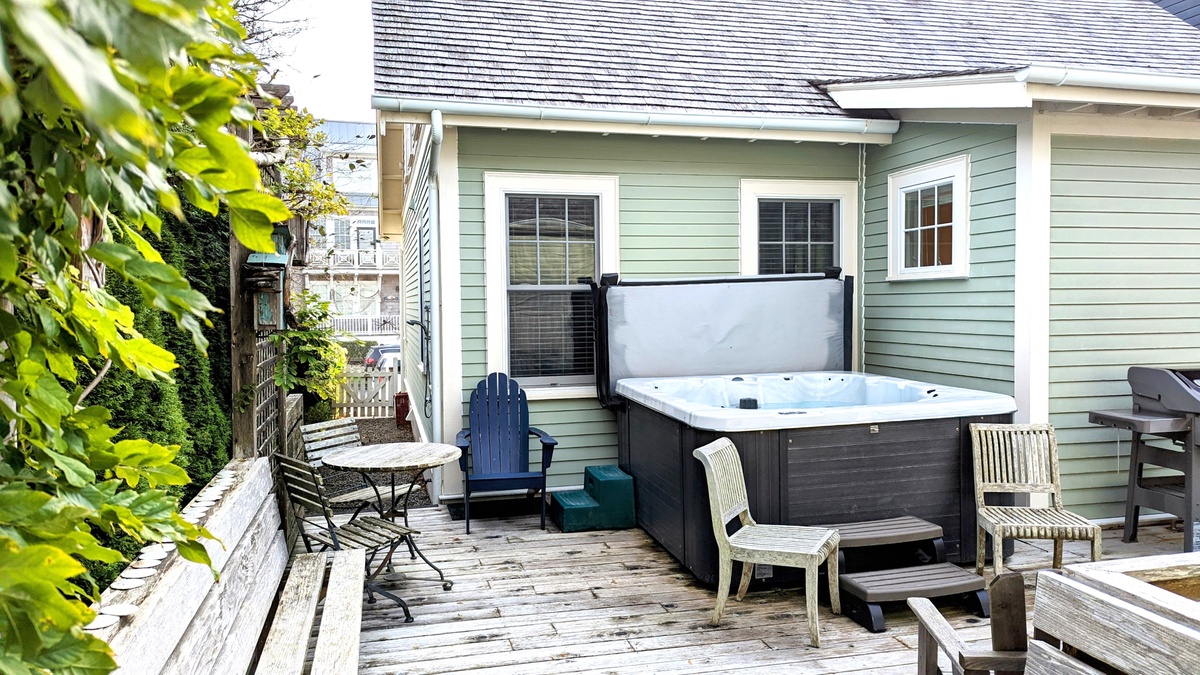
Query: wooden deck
{"x":531,"y":602}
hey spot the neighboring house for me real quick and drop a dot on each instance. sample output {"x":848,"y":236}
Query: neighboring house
{"x":348,"y":263}
{"x":1015,"y":185}
{"x":1188,"y":10}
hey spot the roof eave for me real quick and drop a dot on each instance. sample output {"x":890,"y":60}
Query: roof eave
{"x":1020,"y":89}
{"x":607,"y":120}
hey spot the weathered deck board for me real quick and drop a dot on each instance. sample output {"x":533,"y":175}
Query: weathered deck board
{"x":532,"y":602}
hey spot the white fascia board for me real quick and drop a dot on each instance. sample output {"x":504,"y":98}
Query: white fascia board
{"x":588,"y":120}
{"x":1113,"y":96}
{"x":970,"y":91}
{"x":1019,"y":89}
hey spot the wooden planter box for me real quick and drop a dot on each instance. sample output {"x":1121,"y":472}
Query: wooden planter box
{"x":1140,"y":615}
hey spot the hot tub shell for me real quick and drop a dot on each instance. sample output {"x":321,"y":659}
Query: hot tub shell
{"x":875,"y":466}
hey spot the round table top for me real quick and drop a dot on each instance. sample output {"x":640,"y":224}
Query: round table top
{"x":392,"y":457}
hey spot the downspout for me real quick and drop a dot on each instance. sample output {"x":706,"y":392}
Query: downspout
{"x":435,"y":269}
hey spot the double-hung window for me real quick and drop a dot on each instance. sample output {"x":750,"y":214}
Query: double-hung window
{"x":551,"y":254}
{"x":545,"y":235}
{"x":927,"y":221}
{"x":797,"y":227}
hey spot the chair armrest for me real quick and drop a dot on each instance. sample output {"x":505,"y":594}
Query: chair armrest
{"x":939,"y":629}
{"x":548,"y":444}
{"x":987,"y":660}
{"x":463,"y":441}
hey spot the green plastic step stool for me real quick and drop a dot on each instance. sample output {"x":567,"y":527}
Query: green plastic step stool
{"x":604,"y":503}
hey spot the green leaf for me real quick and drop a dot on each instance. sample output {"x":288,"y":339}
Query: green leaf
{"x":270,"y":206}
{"x":37,"y":565}
{"x":253,"y":229}
{"x":8,"y":260}
{"x":195,"y":551}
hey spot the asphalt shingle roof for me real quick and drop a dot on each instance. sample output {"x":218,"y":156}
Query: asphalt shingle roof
{"x":759,"y":57}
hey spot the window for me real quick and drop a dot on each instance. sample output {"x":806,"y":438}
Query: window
{"x":795,"y":237}
{"x":797,"y":227}
{"x":551,"y":249}
{"x":927,"y":222}
{"x":543,"y":234}
{"x":341,"y":234}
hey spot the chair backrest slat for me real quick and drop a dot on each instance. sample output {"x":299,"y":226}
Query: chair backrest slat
{"x":303,"y":485}
{"x":499,"y":422}
{"x":1015,"y":458}
{"x":726,"y":483}
{"x":323,"y":438}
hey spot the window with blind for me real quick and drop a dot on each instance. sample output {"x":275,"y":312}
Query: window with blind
{"x":796,"y":236}
{"x":552,"y":246}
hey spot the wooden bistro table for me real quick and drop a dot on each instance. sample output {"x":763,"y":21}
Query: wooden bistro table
{"x":392,"y":458}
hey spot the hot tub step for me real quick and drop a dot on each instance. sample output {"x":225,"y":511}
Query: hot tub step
{"x":605,"y":503}
{"x":864,"y":592}
{"x":889,"y":543}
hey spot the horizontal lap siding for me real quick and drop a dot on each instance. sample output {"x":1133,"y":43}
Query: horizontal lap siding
{"x":1124,"y":291}
{"x":416,"y":253}
{"x":955,"y":331}
{"x":678,"y":217}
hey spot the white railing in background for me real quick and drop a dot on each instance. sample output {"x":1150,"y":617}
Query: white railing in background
{"x":368,"y":392}
{"x":379,"y":324}
{"x":386,"y":259}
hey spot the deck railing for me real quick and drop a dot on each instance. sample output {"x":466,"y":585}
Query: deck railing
{"x":379,"y":324}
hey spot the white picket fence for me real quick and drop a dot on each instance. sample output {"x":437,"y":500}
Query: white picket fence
{"x":368,"y":392}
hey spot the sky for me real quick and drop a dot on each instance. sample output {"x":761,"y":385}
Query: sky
{"x":328,"y":65}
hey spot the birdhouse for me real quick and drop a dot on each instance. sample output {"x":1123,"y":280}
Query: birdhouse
{"x":264,"y":276}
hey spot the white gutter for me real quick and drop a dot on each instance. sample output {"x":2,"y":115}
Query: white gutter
{"x":671,"y":119}
{"x":435,"y":268}
{"x":1109,"y":79}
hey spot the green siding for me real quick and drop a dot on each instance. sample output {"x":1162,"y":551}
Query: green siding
{"x":416,"y":246}
{"x":1124,"y":290}
{"x":950,"y":331}
{"x":678,"y":217}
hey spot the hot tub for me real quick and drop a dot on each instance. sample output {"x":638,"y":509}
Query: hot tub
{"x":816,"y":447}
{"x":801,"y":400}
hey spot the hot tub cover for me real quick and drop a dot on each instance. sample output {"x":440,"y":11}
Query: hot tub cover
{"x":724,"y":326}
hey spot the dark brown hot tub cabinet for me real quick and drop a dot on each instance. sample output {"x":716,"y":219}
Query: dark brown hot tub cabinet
{"x":807,"y":476}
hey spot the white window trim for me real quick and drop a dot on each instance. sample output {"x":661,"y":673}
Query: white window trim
{"x":957,"y":169}
{"x":496,"y":186}
{"x":844,"y":192}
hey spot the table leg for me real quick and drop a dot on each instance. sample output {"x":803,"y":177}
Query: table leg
{"x":413,"y":550}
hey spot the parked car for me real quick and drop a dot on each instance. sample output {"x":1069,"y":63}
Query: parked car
{"x":382,"y":356}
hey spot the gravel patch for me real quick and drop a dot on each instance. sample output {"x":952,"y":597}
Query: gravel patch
{"x":371,"y":431}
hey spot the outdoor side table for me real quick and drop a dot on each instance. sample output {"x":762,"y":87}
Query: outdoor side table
{"x":392,"y":458}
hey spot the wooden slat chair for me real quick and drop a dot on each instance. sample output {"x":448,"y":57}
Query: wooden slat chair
{"x":498,"y":443}
{"x":322,"y":438}
{"x":1022,"y":459}
{"x":372,"y":534}
{"x":1009,"y":640}
{"x":785,"y":545}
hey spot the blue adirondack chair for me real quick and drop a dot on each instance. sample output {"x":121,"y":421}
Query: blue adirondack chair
{"x":497,"y":443}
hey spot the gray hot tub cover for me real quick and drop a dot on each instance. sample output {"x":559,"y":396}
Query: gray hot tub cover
{"x":733,"y":326}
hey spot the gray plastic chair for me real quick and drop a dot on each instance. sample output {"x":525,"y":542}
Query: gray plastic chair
{"x":784,"y":545}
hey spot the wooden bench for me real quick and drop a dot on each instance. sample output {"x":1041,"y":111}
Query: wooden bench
{"x":183,"y":620}
{"x":1009,"y":639}
{"x":296,"y":613}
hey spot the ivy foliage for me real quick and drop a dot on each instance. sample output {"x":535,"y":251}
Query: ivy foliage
{"x":101,"y":101}
{"x":314,"y":360}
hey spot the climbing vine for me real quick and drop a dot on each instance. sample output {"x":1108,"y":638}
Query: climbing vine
{"x":111,"y":112}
